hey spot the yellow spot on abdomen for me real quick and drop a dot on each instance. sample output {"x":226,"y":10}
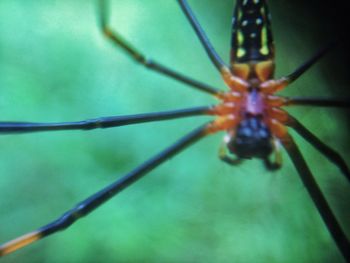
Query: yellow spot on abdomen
{"x":240,"y":39}
{"x":240,"y":52}
{"x":264,"y":50}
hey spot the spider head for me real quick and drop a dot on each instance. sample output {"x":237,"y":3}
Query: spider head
{"x":252,"y":139}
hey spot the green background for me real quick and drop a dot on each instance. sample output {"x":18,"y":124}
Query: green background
{"x":56,"y":66}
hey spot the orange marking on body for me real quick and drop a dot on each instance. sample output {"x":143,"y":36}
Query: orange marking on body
{"x":272,"y":86}
{"x":234,"y":83}
{"x":222,"y":123}
{"x":278,"y":114}
{"x":277,"y":128}
{"x":223,"y":109}
{"x":275,"y":101}
{"x":230,"y":96}
{"x":19,"y":242}
{"x":241,"y":70}
{"x":264,"y":70}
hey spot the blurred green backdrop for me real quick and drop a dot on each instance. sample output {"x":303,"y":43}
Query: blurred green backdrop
{"x":56,"y":66}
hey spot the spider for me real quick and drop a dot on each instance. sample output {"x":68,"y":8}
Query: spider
{"x":200,"y":110}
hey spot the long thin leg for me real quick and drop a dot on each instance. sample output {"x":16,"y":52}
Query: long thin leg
{"x":305,"y":66}
{"x":279,"y":84}
{"x":99,"y":198}
{"x":104,"y":122}
{"x":317,"y":101}
{"x":140,"y":58}
{"x":327,"y":151}
{"x":314,"y":191}
{"x":214,"y":57}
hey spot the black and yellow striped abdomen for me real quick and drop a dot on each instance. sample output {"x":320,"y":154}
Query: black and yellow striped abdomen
{"x":252,"y":39}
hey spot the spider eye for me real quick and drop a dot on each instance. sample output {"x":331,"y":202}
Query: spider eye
{"x":253,"y":139}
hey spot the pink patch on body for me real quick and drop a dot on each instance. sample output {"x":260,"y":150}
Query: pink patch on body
{"x":254,"y":103}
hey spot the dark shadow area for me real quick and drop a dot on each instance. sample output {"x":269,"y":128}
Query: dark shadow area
{"x":333,"y":16}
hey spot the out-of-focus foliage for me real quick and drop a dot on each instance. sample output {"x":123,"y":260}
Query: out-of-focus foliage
{"x":56,"y":66}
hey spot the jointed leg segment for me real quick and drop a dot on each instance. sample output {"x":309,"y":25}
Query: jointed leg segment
{"x":140,"y":58}
{"x":318,"y":198}
{"x":321,"y":102}
{"x":103,"y":122}
{"x":225,"y":157}
{"x":277,"y":161}
{"x":214,"y":57}
{"x":323,"y":148}
{"x":97,"y":199}
{"x":309,"y":63}
{"x":281,"y":101}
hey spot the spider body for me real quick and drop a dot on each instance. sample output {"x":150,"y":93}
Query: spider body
{"x":252,"y":64}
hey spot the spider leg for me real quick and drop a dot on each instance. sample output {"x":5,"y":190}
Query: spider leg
{"x":277,"y":162}
{"x":317,"y":101}
{"x":214,"y":57}
{"x":323,"y":148}
{"x":223,"y":155}
{"x":96,"y":200}
{"x":103,"y":122}
{"x":275,"y":85}
{"x":271,"y":165}
{"x":318,"y":198}
{"x":140,"y":58}
{"x":306,"y":65}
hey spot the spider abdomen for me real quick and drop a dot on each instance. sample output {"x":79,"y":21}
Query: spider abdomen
{"x":252,"y":138}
